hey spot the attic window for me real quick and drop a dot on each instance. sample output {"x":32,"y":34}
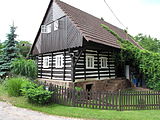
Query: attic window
{"x":46,"y":28}
{"x":103,"y":62}
{"x":56,"y":25}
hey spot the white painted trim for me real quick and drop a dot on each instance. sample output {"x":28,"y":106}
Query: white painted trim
{"x":46,"y":62}
{"x":105,"y":58}
{"x":90,"y":57}
{"x":46,"y":28}
{"x":59,"y":61}
{"x":56,"y":25}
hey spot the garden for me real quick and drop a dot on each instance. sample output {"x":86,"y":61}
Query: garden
{"x":18,"y":86}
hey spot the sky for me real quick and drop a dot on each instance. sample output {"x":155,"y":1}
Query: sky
{"x":139,"y":16}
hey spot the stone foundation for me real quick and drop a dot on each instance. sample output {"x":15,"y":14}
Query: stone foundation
{"x":104,"y":85}
{"x":67,"y":84}
{"x":95,"y":85}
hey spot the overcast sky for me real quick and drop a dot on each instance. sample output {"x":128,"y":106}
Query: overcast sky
{"x":140,"y":16}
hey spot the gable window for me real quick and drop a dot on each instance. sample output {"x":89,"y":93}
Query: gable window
{"x":46,"y":62}
{"x":59,"y":61}
{"x":103,"y":62}
{"x":89,"y":61}
{"x":49,"y":28}
{"x":56,"y":25}
{"x":46,"y":28}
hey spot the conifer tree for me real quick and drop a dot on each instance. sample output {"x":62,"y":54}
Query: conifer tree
{"x":9,"y":52}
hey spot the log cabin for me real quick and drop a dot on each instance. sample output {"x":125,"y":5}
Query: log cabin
{"x":72,"y":49}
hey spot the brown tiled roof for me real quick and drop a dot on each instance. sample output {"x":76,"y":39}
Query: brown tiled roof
{"x":90,"y":27}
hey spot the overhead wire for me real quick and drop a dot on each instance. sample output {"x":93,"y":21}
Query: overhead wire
{"x":115,"y":14}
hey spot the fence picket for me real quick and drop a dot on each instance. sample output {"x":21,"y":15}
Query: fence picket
{"x":121,"y":100}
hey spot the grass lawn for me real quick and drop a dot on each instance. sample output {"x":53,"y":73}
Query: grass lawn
{"x":75,"y":112}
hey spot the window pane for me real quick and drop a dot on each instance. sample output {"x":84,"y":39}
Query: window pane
{"x":56,"y":25}
{"x":49,"y":28}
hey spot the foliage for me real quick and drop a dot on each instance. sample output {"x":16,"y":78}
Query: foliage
{"x":10,"y":52}
{"x":147,"y":62}
{"x":36,"y":94}
{"x":14,"y":85}
{"x":78,"y":88}
{"x":24,"y":67}
{"x":77,"y":112}
{"x":82,"y":113}
{"x":1,"y":46}
{"x":148,"y":43}
{"x":24,"y":47}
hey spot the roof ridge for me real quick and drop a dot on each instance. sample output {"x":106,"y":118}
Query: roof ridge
{"x":88,"y":14}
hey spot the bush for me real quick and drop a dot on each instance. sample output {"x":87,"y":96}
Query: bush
{"x":37,"y":94}
{"x":14,"y":85}
{"x":23,"y":67}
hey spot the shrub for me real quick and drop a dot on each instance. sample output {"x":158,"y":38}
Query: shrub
{"x":37,"y":94}
{"x":14,"y":85}
{"x":147,"y":62}
{"x":23,"y":67}
{"x":78,"y":88}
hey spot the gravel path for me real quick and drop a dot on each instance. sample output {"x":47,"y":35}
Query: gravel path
{"x":9,"y":112}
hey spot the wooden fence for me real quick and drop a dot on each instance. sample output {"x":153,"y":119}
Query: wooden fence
{"x":121,"y":100}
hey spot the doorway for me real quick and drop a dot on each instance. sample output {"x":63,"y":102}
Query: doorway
{"x":89,"y":87}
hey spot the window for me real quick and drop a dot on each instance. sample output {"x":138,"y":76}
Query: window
{"x":103,"y":62}
{"x":46,"y":28}
{"x":59,"y":61}
{"x":46,"y":62}
{"x":43,"y":29}
{"x":89,"y":61}
{"x":56,"y":25}
{"x":49,"y":26}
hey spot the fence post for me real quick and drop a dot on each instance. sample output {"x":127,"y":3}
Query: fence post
{"x":119,"y":96}
{"x":73,"y":97}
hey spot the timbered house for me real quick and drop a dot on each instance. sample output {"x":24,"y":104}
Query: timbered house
{"x":71,"y":46}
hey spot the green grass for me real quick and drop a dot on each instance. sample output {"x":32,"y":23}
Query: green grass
{"x":75,"y":112}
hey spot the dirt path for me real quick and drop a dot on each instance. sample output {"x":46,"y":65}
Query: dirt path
{"x":9,"y":112}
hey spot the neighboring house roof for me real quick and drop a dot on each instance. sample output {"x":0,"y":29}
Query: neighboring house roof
{"x":90,"y":26}
{"x":91,"y":29}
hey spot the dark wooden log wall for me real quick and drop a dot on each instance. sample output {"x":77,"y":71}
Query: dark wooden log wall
{"x":67,"y":36}
{"x":52,"y":72}
{"x":81,"y":72}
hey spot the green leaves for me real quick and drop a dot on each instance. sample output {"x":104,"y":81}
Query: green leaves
{"x":9,"y":52}
{"x":148,"y":62}
{"x":23,"y":67}
{"x":149,"y":43}
{"x":14,"y":85}
{"x":36,"y":94}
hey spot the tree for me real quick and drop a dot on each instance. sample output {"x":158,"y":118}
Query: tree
{"x":1,"y":46}
{"x":24,"y":47}
{"x":9,"y":52}
{"x":148,"y":43}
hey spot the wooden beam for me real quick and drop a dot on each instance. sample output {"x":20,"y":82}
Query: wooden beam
{"x":52,"y":66}
{"x":73,"y":68}
{"x":41,"y":64}
{"x":98,"y":65}
{"x":64,"y":65}
{"x":79,"y":55}
{"x":109,"y":65}
{"x":85,"y":65}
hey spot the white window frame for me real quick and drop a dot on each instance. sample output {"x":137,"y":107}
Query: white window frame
{"x":90,"y":65}
{"x":59,"y":61}
{"x":46,"y":28}
{"x":43,"y":29}
{"x":56,"y":25}
{"x":49,"y":28}
{"x":46,"y":62}
{"x":106,"y":64}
